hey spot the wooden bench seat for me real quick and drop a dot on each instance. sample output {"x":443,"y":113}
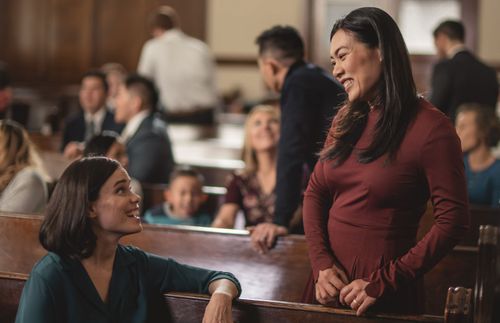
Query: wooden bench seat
{"x":184,"y":307}
{"x":279,"y":275}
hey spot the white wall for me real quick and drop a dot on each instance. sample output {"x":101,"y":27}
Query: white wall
{"x":233,"y":26}
{"x":489,"y":30}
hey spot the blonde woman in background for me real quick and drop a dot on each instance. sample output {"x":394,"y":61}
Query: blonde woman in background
{"x":252,"y":190}
{"x":22,"y":181}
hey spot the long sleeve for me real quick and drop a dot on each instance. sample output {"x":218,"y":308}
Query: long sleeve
{"x":441,"y":162}
{"x":168,"y":275}
{"x":295,"y":128}
{"x":317,"y":200}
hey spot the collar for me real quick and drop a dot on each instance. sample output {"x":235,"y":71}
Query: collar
{"x":133,"y":125}
{"x":454,"y":50}
{"x":97,"y":117}
{"x":172,"y":33}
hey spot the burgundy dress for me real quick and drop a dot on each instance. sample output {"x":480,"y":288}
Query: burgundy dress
{"x":371,"y":226}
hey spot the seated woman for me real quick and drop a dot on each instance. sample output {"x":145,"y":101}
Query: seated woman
{"x":252,"y":190}
{"x":479,"y":130}
{"x":108,"y":144}
{"x":22,"y":181}
{"x":87,"y":276}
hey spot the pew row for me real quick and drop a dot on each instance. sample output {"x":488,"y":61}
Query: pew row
{"x":280,"y":275}
{"x":183,"y":307}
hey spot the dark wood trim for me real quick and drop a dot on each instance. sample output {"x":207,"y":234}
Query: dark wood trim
{"x":236,"y":60}
{"x":470,"y":19}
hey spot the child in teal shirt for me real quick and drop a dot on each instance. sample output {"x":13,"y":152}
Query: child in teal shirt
{"x":183,"y":200}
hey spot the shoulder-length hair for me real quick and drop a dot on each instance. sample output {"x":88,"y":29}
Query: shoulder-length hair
{"x":396,"y":93}
{"x":66,"y":229}
{"x":248,"y":153}
{"x":16,"y":152}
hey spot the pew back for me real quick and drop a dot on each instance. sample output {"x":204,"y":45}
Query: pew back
{"x":279,"y":275}
{"x":189,"y":308}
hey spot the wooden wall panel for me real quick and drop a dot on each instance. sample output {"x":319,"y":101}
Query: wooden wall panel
{"x":56,"y":41}
{"x":120,"y":31}
{"x":22,"y":37}
{"x":69,"y":43}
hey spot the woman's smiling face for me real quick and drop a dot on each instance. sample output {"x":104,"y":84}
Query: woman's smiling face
{"x":357,"y":67}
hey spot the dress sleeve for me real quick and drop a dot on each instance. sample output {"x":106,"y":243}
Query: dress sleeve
{"x":168,"y":275}
{"x":441,"y":162}
{"x":37,"y":302}
{"x":317,"y":200}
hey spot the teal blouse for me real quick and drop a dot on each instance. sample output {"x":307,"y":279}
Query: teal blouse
{"x":60,"y":290}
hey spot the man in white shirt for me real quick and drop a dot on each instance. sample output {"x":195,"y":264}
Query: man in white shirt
{"x":150,"y":158}
{"x":94,"y":117}
{"x":182,"y":68}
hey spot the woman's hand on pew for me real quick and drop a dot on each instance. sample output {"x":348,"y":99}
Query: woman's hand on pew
{"x":330,"y":282}
{"x":219,"y":309}
{"x":264,"y":235}
{"x":354,"y":295}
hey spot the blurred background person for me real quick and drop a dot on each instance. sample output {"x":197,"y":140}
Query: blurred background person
{"x":92,"y":119}
{"x":184,"y":199}
{"x":115,"y":75}
{"x":253,"y":190}
{"x":183,"y":69}
{"x":23,"y":186}
{"x":459,"y":77}
{"x":309,"y":100}
{"x":479,"y":130}
{"x":145,"y":135}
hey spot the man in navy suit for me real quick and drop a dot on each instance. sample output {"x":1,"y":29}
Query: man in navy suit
{"x":94,"y":117}
{"x":145,"y":135}
{"x":459,"y":77}
{"x":309,"y":100}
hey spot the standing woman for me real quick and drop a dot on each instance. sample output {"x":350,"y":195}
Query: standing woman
{"x":22,"y":180}
{"x":387,"y":153}
{"x":87,"y":276}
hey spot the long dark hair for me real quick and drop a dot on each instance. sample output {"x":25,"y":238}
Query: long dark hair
{"x":396,"y":92}
{"x":66,"y":229}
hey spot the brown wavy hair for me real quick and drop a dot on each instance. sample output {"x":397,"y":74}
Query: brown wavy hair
{"x":396,"y":91}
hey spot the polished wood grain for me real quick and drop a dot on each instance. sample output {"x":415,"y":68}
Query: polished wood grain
{"x":190,"y":308}
{"x":279,"y":275}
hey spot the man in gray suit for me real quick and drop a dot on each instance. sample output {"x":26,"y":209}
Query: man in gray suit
{"x":148,"y":145}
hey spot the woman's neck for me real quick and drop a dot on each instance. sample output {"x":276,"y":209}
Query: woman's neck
{"x":267,"y":162}
{"x":104,"y":253}
{"x":480,"y":158}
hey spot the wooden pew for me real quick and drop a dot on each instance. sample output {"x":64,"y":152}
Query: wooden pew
{"x":479,"y":215}
{"x":279,"y":275}
{"x":11,"y":287}
{"x":184,"y":307}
